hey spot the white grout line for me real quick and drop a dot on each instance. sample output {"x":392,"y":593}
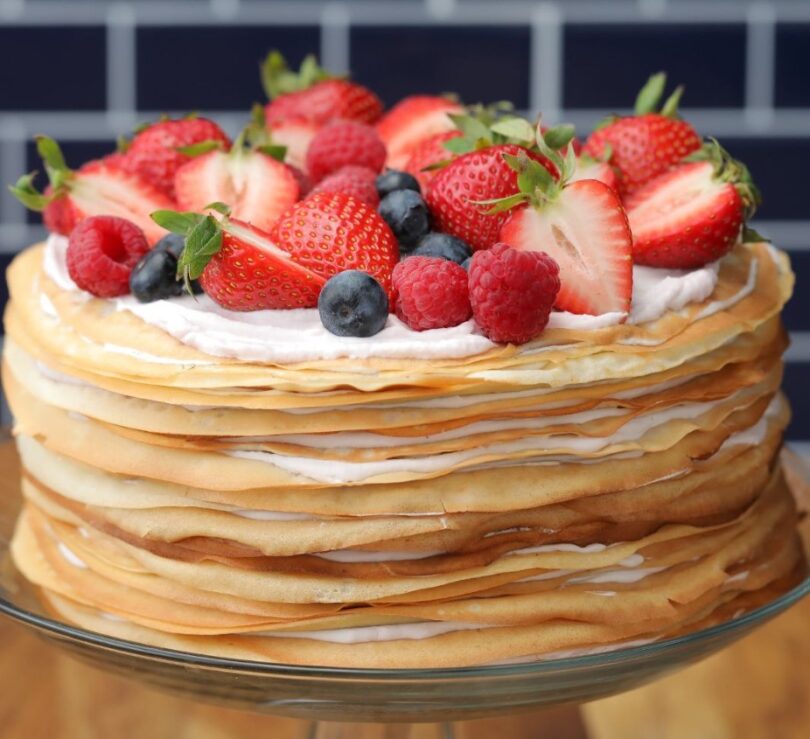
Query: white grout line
{"x":800,"y":447}
{"x":224,"y":9}
{"x":12,"y":165}
{"x":334,"y":54}
{"x":760,"y":65}
{"x":799,"y":349}
{"x":789,"y":235}
{"x":121,"y":61}
{"x":440,"y":9}
{"x":545,"y":93}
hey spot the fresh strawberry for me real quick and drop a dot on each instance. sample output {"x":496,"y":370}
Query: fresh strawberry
{"x":453,"y":195}
{"x":581,"y":225}
{"x":256,"y":186}
{"x":331,"y":232}
{"x":313,"y":94}
{"x":239,"y":266}
{"x":411,"y":121}
{"x":359,"y":182}
{"x":97,"y":188}
{"x":296,"y":134}
{"x":428,"y":152}
{"x":590,"y":169}
{"x":644,"y":145}
{"x":59,"y":215}
{"x":155,"y":155}
{"x":694,"y":213}
{"x":341,"y":144}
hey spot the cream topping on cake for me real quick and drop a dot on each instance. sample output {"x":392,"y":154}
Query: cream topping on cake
{"x":298,"y":336}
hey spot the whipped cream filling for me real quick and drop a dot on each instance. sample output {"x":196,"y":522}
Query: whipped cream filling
{"x":291,"y":336}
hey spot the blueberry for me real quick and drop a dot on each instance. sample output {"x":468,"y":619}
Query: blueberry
{"x":393,"y":179}
{"x":155,"y":277}
{"x":173,"y":243}
{"x":443,"y":246}
{"x":353,"y":303}
{"x":466,"y":263}
{"x":407,"y":215}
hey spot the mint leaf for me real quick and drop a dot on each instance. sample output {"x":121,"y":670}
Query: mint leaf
{"x":176,"y":222}
{"x":202,"y":242}
{"x":27,"y":194}
{"x":219,"y":207}
{"x":650,"y":94}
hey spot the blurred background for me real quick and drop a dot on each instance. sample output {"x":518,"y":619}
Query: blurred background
{"x":87,"y":71}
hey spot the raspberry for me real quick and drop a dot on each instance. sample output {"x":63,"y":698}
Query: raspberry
{"x":431,"y":293}
{"x":512,"y":292}
{"x":101,"y":253}
{"x":342,"y":143}
{"x":359,"y":182}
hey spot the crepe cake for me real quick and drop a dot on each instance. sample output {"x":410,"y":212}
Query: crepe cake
{"x":248,"y":484}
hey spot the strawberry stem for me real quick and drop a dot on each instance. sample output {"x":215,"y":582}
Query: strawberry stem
{"x":278,"y":79}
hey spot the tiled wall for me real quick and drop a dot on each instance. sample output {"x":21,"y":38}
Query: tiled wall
{"x":86,"y":71}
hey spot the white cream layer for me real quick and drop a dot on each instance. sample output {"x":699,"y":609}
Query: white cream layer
{"x":298,"y":336}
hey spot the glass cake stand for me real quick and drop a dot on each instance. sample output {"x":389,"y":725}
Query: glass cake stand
{"x":326,"y":695}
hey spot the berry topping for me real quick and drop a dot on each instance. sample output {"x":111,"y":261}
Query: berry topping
{"x":344,"y":143}
{"x":413,"y":120}
{"x":512,"y":292}
{"x":694,"y":213}
{"x":427,"y":157}
{"x":314,"y":94}
{"x":352,"y":180}
{"x":331,"y":232}
{"x":431,"y":293}
{"x":407,"y":215}
{"x":394,"y":179}
{"x":97,"y":188}
{"x":156,"y":152}
{"x":101,"y":254}
{"x":353,"y":303}
{"x":296,"y":134}
{"x":172,"y":243}
{"x":155,"y":275}
{"x":644,"y":145}
{"x":443,"y":246}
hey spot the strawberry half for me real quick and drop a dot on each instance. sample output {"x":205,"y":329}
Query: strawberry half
{"x":694,"y":213}
{"x":296,"y":134}
{"x":98,"y":188}
{"x":411,"y":121}
{"x":257,"y":187}
{"x":580,"y":224}
{"x":330,"y":232}
{"x":644,"y":145}
{"x":590,"y":169}
{"x":238,"y":265}
{"x":313,"y":94}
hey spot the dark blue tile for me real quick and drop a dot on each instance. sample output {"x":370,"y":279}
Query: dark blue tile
{"x":479,"y":63}
{"x":792,"y":65}
{"x":212,"y":67}
{"x":797,"y":312}
{"x":76,"y":153}
{"x":795,"y":385}
{"x":778,"y":166}
{"x":52,"y":68}
{"x":606,"y":65}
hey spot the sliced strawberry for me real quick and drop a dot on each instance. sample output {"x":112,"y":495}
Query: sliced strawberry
{"x":584,"y":229}
{"x":411,"y":121}
{"x":296,"y":134}
{"x":590,"y":169}
{"x":99,"y":188}
{"x":251,"y":272}
{"x":685,"y":218}
{"x":257,"y":187}
{"x":428,"y":152}
{"x":330,"y":232}
{"x":313,"y":94}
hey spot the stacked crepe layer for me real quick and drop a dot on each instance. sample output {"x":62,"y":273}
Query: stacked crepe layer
{"x":589,"y":489}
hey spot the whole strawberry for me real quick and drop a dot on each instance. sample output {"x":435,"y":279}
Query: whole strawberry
{"x":331,"y":232}
{"x":155,"y":155}
{"x":454,"y":196}
{"x":431,"y":293}
{"x":512,"y":292}
{"x":644,"y":145}
{"x":313,"y":94}
{"x":342,"y":144}
{"x":694,"y":213}
{"x":359,"y":182}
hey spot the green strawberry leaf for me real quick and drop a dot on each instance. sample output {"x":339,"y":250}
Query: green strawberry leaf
{"x":53,"y":159}
{"x":277,"y":151}
{"x":650,"y":94}
{"x":201,"y":147}
{"x":560,"y":136}
{"x":122,"y":144}
{"x":278,"y":79}
{"x":670,"y":108}
{"x":202,"y":243}
{"x":27,"y":194}
{"x":436,"y":165}
{"x":499,"y":205}
{"x":750,"y":236}
{"x":177,"y":222}
{"x":471,"y":127}
{"x":514,"y":128}
{"x":459,"y":145}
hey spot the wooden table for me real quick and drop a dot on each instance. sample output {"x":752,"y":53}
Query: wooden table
{"x":760,"y":687}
